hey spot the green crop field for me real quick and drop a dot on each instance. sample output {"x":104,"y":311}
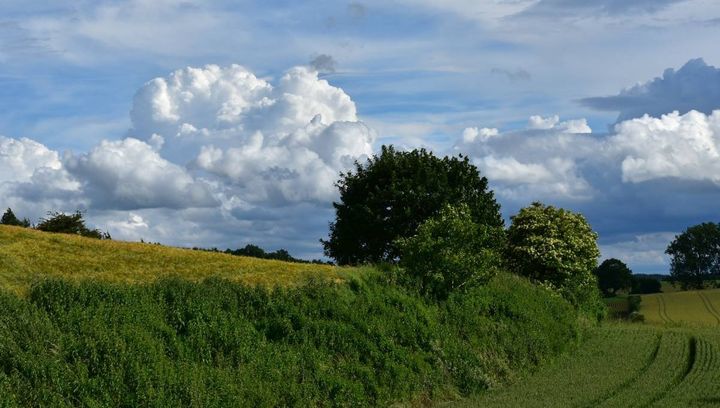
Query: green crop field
{"x":27,"y":255}
{"x":624,"y":365}
{"x":673,"y":360}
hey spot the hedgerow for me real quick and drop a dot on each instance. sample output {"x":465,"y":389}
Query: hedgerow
{"x":218,"y":343}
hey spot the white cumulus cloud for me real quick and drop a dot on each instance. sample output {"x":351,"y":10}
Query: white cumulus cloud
{"x":673,"y":145}
{"x":265,"y":143}
{"x":130,"y":174}
{"x":536,"y":163}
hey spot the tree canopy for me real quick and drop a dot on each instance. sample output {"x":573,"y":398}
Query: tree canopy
{"x":695,"y":255}
{"x":391,"y":194}
{"x":555,"y":247}
{"x":69,"y":224}
{"x":613,"y":275}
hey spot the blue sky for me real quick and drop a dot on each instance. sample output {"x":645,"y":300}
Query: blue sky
{"x":546,"y":96}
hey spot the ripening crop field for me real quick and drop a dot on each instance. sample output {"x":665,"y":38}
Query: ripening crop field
{"x":27,"y":256}
{"x":696,"y":307}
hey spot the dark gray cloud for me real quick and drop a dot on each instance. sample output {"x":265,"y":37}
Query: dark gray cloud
{"x":695,"y":86}
{"x":323,"y":63}
{"x":518,"y":74}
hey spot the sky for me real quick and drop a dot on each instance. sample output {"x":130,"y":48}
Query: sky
{"x":218,"y":124}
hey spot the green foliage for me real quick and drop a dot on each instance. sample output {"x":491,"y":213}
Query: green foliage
{"x":218,"y":343}
{"x":643,"y":285}
{"x":634,"y":303}
{"x":613,"y":275}
{"x":389,"y":196}
{"x":450,"y":251}
{"x":69,"y":224}
{"x":695,"y":255}
{"x":557,"y":248}
{"x":9,"y":218}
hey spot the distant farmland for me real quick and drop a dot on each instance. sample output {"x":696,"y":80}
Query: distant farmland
{"x":693,"y":307}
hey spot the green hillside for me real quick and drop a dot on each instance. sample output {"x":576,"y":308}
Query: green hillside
{"x":208,"y":329}
{"x":27,"y":255}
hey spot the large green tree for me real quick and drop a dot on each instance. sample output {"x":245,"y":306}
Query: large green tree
{"x":391,"y":194}
{"x":695,"y":254}
{"x":613,"y":275}
{"x":555,"y":247}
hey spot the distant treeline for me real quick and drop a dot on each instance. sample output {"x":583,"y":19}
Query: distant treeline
{"x":257,"y":252}
{"x":58,"y":222}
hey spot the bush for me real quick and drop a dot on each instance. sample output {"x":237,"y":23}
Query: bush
{"x":218,"y":343}
{"x":450,"y":252}
{"x":634,"y":303}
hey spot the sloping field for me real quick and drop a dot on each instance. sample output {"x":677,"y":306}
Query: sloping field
{"x":698,"y":307}
{"x":27,"y":255}
{"x":624,"y":366}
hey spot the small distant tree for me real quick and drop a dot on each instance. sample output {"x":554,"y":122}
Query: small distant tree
{"x":450,"y":251}
{"x":557,"y":248}
{"x":613,"y":275}
{"x":9,"y":218}
{"x":645,"y":285}
{"x":695,"y":255}
{"x":69,"y":224}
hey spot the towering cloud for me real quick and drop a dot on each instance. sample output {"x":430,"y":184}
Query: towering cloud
{"x":270,"y":144}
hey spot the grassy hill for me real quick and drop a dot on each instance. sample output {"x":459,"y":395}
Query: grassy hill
{"x":27,"y":256}
{"x":76,"y":329}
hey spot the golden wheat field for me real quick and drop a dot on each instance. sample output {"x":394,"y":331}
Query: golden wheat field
{"x":27,"y":256}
